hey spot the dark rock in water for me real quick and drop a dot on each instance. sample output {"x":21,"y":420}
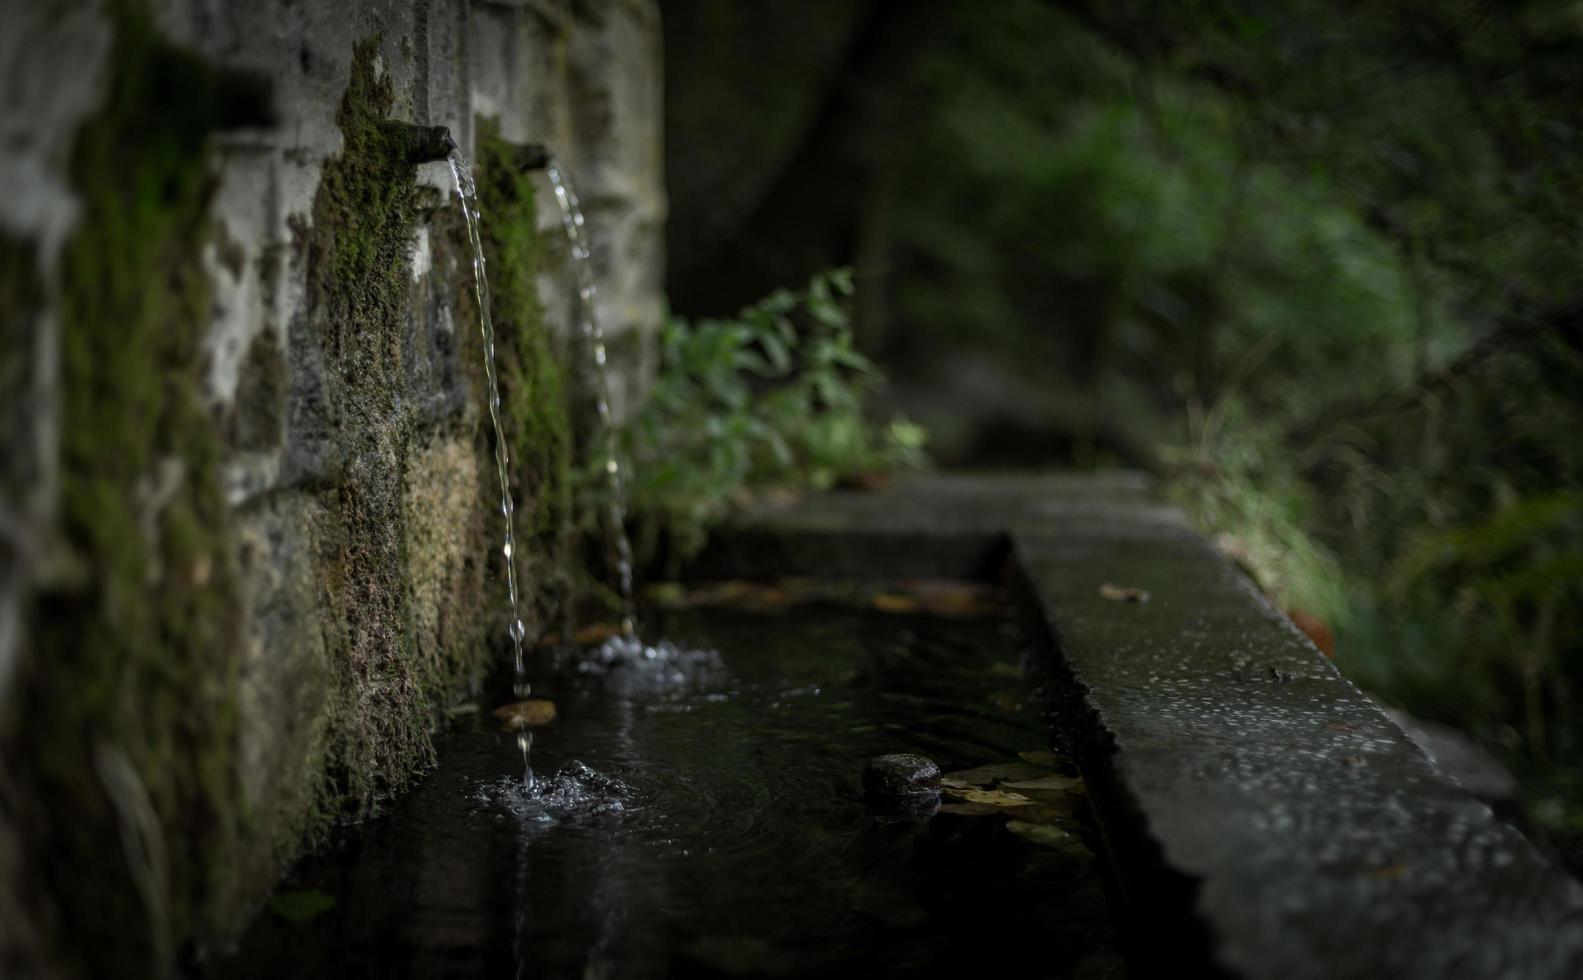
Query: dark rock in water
{"x":901,"y":774}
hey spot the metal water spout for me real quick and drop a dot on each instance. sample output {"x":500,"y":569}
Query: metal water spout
{"x":424,"y":144}
{"x":531,"y":156}
{"x":536,"y":157}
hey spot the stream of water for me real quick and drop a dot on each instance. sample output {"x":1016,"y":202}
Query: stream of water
{"x":588,"y":326}
{"x":468,"y":192}
{"x":575,"y":226}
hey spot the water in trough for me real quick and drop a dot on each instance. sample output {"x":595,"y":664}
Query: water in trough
{"x":702,"y":810}
{"x":703,"y":814}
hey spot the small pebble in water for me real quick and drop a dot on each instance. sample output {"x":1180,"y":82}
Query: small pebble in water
{"x":532,"y":713}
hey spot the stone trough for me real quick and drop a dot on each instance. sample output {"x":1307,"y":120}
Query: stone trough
{"x":1262,"y":816}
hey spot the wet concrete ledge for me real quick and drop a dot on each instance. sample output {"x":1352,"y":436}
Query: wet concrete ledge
{"x":1264,"y":818}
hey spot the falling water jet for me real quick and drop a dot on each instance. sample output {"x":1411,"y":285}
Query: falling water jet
{"x":572,"y":221}
{"x":468,"y":192}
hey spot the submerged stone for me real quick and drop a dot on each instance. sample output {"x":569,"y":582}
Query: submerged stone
{"x":532,"y":713}
{"x":901,"y":774}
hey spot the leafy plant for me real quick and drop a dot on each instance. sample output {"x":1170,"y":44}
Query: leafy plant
{"x":774,"y":397}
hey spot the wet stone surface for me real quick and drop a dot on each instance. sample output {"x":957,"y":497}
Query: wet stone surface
{"x":1264,"y":817}
{"x":901,"y":774}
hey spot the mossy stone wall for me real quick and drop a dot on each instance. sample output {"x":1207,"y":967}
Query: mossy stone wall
{"x":249,"y":554}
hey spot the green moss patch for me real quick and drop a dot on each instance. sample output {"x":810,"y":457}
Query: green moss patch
{"x":120,"y":740}
{"x":532,"y":391}
{"x":364,"y":219}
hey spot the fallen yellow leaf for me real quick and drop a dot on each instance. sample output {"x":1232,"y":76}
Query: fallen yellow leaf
{"x":989,"y":796}
{"x":1122,"y":593}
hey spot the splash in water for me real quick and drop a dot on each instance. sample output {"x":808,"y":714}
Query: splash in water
{"x":574,"y":790}
{"x":468,"y":192}
{"x":525,"y":743}
{"x":588,"y":325}
{"x":628,"y":666}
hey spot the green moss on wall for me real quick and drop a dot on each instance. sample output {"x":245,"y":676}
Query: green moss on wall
{"x":119,"y":742}
{"x":364,"y":217}
{"x":394,"y":660}
{"x":532,"y":393}
{"x":122,"y":731}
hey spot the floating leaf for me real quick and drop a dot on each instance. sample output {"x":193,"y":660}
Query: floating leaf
{"x":1122,"y":593}
{"x":1052,"y":782}
{"x":990,"y":797}
{"x":302,"y":905}
{"x":532,"y":713}
{"x":1042,"y":757}
{"x":1045,"y":835}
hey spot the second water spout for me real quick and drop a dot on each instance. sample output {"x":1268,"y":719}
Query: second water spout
{"x":576,"y":228}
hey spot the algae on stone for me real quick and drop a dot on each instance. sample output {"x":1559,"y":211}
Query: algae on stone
{"x":447,"y":551}
{"x":119,"y":734}
{"x":202,"y":687}
{"x":364,"y":219}
{"x":532,"y":391}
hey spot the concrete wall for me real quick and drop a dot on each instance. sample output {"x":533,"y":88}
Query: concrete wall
{"x":334,"y":472}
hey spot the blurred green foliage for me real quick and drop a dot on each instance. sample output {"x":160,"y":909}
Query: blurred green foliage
{"x":774,"y":398}
{"x":1313,"y":263}
{"x":1332,"y":252}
